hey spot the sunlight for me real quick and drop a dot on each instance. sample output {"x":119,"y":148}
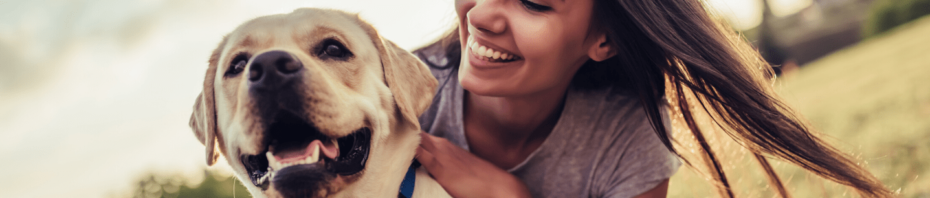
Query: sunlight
{"x":782,"y":8}
{"x":742,"y":14}
{"x":747,"y":14}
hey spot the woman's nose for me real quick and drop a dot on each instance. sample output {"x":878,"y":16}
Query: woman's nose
{"x":488,"y":16}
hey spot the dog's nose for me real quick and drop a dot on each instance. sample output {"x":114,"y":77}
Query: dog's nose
{"x":273,"y":68}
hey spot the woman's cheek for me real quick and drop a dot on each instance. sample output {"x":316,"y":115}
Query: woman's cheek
{"x":536,"y":43}
{"x":533,"y":33}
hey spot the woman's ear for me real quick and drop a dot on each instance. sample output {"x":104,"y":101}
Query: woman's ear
{"x":601,"y":50}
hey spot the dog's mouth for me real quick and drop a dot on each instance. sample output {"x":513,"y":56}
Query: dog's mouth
{"x":297,"y":146}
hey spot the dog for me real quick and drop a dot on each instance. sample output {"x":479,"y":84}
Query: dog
{"x":315,"y":103}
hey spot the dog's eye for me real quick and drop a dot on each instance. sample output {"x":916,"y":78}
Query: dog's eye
{"x":333,"y":49}
{"x":237,"y":65}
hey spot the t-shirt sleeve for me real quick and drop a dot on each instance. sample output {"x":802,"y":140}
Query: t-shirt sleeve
{"x":429,"y":55}
{"x":636,"y":162}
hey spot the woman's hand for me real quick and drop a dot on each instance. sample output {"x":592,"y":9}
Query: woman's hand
{"x":463,"y":174}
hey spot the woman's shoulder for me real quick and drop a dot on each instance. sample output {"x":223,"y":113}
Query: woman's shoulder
{"x":633,"y":159}
{"x":604,"y":142}
{"x":608,"y":104}
{"x":615,"y":116}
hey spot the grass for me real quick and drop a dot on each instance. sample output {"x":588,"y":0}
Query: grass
{"x":212,"y":183}
{"x":871,"y":99}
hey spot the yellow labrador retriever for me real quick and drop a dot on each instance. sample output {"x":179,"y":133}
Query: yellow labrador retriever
{"x":315,"y":104}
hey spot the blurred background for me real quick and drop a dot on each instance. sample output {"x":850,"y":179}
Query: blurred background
{"x":95,"y":95}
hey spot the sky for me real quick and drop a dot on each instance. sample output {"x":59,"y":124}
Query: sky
{"x":95,"y":93}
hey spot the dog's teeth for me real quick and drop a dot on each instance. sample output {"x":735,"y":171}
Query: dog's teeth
{"x":265,"y":178}
{"x":270,"y":157}
{"x":315,"y":156}
{"x":272,"y":161}
{"x":275,"y":165}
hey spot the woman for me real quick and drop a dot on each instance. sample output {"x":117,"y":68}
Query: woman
{"x":565,"y":98}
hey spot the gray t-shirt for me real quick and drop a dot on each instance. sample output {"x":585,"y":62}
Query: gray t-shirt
{"x":603,"y":144}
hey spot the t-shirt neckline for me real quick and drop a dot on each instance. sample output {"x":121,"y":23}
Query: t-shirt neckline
{"x":556,"y":130}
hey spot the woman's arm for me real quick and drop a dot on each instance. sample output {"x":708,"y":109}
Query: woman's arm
{"x":463,"y":174}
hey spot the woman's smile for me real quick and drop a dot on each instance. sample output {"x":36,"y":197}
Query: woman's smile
{"x":511,"y":50}
{"x":486,"y":56}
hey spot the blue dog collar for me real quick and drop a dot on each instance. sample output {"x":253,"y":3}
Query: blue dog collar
{"x":406,"y":186}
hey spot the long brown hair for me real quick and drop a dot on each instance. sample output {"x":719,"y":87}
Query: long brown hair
{"x":706,"y":65}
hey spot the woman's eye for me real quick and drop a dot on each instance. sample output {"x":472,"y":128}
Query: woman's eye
{"x":237,"y":65}
{"x":534,"y":6}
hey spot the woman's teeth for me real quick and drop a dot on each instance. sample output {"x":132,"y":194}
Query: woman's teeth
{"x":487,"y":53}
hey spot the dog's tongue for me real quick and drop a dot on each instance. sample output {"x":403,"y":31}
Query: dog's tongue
{"x":288,"y":156}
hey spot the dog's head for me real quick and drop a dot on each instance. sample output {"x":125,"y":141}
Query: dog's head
{"x":312,"y":104}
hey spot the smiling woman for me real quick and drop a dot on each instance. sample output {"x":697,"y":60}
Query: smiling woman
{"x":580,"y":110}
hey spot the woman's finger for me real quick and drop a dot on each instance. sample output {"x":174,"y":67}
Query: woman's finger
{"x":423,"y":155}
{"x":427,"y":160}
{"x":427,"y":141}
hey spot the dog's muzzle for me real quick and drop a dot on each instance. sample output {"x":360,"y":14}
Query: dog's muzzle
{"x":297,"y":158}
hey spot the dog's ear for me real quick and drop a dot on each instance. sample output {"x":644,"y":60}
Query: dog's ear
{"x":408,"y":78}
{"x":203,"y":120}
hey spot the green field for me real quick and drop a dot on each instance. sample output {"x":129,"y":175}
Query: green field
{"x":871,"y":99}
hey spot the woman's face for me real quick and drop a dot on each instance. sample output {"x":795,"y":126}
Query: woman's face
{"x":522,"y":47}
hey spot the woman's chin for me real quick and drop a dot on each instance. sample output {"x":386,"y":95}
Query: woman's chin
{"x":485,"y":87}
{"x":503,"y":82}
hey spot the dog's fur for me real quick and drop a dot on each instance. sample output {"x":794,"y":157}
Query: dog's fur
{"x":381,"y":87}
